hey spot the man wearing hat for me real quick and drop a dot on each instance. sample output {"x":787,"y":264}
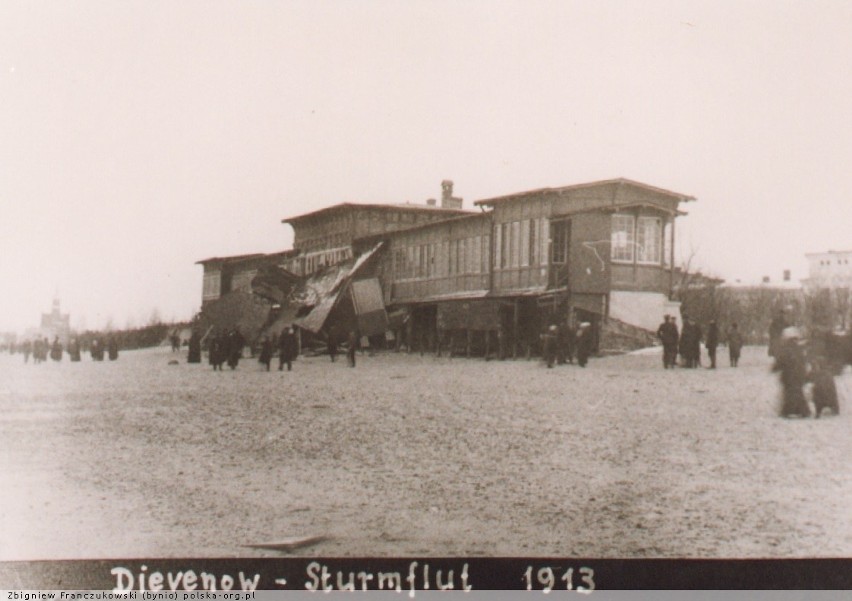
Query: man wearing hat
{"x":790,"y":361}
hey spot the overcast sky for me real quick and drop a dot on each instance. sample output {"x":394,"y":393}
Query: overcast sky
{"x":139,"y":137}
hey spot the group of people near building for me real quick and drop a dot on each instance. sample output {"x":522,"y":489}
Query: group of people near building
{"x":288,"y":350}
{"x":687,"y":342}
{"x":561,"y":343}
{"x":225,"y":346}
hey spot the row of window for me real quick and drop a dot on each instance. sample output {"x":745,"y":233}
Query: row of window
{"x":839,"y":262}
{"x":307,"y":264}
{"x":642,"y":239}
{"x":520,"y":243}
{"x":451,"y":257}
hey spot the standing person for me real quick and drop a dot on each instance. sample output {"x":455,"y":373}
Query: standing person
{"x":288,"y":349}
{"x":265,"y":357}
{"x":584,"y":343}
{"x":235,"y":344}
{"x":735,"y":344}
{"x":548,"y":344}
{"x":94,"y":350}
{"x":673,"y":338}
{"x":711,"y":342}
{"x":790,"y":361}
{"x":352,"y":341}
{"x":332,"y":343}
{"x":112,"y":348}
{"x":74,"y":350}
{"x":56,"y":349}
{"x":27,"y":348}
{"x":194,"y":353}
{"x":687,"y":342}
{"x":776,"y":328}
{"x":824,"y":391}
{"x":216,"y":351}
{"x":661,"y":335}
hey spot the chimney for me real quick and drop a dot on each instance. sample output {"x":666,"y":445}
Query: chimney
{"x":431,"y":202}
{"x":448,"y":201}
{"x":786,"y":275}
{"x":766,"y":279}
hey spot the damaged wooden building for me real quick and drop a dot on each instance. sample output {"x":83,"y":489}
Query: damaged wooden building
{"x":438,"y":277}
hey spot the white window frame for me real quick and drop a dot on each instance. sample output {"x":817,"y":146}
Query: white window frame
{"x":628,"y":246}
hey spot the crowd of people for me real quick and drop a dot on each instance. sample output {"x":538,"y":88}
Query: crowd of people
{"x":41,"y":349}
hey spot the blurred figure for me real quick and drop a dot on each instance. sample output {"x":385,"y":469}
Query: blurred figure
{"x":549,"y":340}
{"x":711,"y":342}
{"x":735,"y":344}
{"x":332,"y":343}
{"x":112,"y":348}
{"x":194,"y":353}
{"x":584,"y":343}
{"x":56,"y":349}
{"x":235,"y":344}
{"x":216,"y":351}
{"x":669,"y":336}
{"x":288,"y":349}
{"x":27,"y":349}
{"x":74,"y":350}
{"x":265,"y":357}
{"x":824,"y":389}
{"x":790,"y":362}
{"x":352,"y":342}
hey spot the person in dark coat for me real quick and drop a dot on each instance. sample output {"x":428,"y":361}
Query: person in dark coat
{"x":735,"y":344}
{"x":112,"y":348}
{"x":584,"y":343}
{"x":776,"y":327}
{"x":790,"y":362}
{"x":234,"y":344}
{"x":824,"y":392}
{"x":352,"y":342}
{"x":332,"y":343}
{"x":216,"y":351}
{"x":27,"y":349}
{"x":549,"y":340}
{"x":265,"y":356}
{"x":689,"y":341}
{"x":669,"y":336}
{"x":96,"y":351}
{"x":194,"y":352}
{"x":74,"y":350}
{"x":288,"y":349}
{"x":711,"y":342}
{"x":56,"y":349}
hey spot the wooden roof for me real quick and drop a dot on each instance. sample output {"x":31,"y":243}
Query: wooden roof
{"x":564,"y":189}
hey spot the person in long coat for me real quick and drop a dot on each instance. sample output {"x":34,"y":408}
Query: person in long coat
{"x":194,"y":353}
{"x":688,"y":341}
{"x":288,"y":349}
{"x":74,"y":350}
{"x":352,"y":342}
{"x":216,"y":351}
{"x":265,"y":357}
{"x":235,"y":344}
{"x":711,"y":342}
{"x":56,"y":349}
{"x":112,"y":348}
{"x":790,"y":362}
{"x":584,"y":343}
{"x":332,"y":343}
{"x":824,"y":392}
{"x":735,"y":344}
{"x":549,"y":341}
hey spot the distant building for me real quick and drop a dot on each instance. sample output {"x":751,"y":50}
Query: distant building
{"x":832,"y":269}
{"x":53,"y":324}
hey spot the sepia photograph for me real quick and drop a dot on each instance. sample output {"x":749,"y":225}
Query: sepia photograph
{"x":429,"y":279}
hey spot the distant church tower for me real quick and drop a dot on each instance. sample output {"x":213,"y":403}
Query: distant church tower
{"x":56,"y":323}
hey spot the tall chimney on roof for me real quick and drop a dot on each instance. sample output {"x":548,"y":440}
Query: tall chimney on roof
{"x":786,"y":275}
{"x":448,"y":201}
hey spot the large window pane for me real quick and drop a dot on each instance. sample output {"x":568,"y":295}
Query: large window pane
{"x":649,"y":244}
{"x":622,"y":237}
